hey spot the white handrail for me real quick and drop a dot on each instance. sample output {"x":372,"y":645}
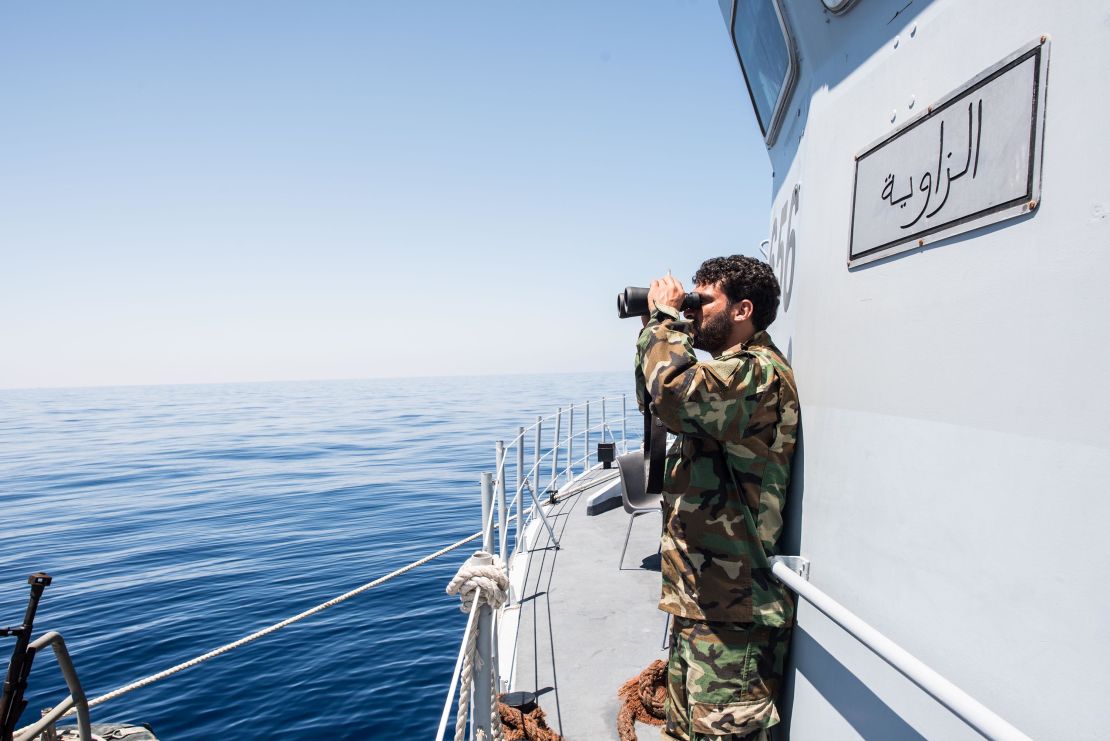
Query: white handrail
{"x":445,"y":716}
{"x":603,"y":426}
{"x":579,"y":405}
{"x":76,"y":699}
{"x":545,"y":456}
{"x":963,"y":705}
{"x":534,"y":469}
{"x":498,"y":517}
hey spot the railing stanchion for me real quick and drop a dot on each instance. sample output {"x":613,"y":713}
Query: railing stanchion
{"x":536,"y":456}
{"x":487,"y":505}
{"x":570,"y":445}
{"x":624,"y":421}
{"x":484,"y":669}
{"x":519,"y":484}
{"x":502,"y":515}
{"x":555,"y":450}
{"x":537,"y":508}
{"x":586,"y":457}
{"x":604,"y":420}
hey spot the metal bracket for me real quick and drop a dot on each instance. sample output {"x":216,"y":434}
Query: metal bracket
{"x":798,"y":564}
{"x":539,"y":510}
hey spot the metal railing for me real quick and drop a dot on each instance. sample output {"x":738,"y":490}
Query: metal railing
{"x":76,"y":697}
{"x":561,"y":450}
{"x":499,"y":514}
{"x":794,"y":573}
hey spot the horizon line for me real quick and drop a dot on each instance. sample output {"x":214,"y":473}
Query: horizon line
{"x":345,"y":379}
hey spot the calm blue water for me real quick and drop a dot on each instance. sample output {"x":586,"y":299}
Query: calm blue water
{"x":175,"y":519}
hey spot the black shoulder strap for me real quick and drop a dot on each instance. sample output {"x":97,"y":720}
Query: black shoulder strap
{"x":655,"y":447}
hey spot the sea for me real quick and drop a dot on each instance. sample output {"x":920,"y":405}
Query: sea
{"x":175,"y":519}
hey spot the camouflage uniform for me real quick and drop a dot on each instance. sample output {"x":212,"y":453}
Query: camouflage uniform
{"x":736,"y":417}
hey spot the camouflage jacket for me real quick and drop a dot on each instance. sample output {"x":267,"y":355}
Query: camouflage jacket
{"x":736,"y":417}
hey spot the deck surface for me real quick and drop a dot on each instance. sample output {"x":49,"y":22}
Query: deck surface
{"x":585,"y":627}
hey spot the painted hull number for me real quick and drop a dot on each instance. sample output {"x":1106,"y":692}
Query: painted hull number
{"x":782,"y":244}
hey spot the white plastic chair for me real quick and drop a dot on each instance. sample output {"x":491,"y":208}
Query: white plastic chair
{"x":634,"y":494}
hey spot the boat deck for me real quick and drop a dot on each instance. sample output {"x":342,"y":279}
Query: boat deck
{"x":583,"y":626}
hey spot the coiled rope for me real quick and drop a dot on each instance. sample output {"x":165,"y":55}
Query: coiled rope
{"x":276,"y":626}
{"x":526,"y":726}
{"x":481,"y":579}
{"x":642,"y":699}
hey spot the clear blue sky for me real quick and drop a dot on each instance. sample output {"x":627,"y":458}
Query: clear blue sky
{"x":235,"y":191}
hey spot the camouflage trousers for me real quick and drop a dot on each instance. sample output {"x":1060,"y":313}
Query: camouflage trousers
{"x":723,"y":680}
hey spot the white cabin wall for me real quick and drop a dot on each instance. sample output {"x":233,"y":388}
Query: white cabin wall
{"x":952,"y":488}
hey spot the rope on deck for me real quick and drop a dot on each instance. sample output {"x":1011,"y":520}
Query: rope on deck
{"x":475,"y":583}
{"x":276,"y":626}
{"x":642,"y":699}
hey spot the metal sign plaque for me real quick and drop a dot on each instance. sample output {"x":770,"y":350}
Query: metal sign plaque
{"x":970,"y":160}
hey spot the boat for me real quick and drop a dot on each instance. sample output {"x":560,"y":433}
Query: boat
{"x":940,"y":229}
{"x":938,"y":217}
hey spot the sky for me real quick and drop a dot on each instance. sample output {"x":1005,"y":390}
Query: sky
{"x":195,"y":192}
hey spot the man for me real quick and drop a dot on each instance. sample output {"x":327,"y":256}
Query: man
{"x":736,"y":417}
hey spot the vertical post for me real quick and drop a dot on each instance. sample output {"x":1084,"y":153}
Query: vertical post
{"x":570,"y":445}
{"x":604,"y":421}
{"x":502,"y":515}
{"x":555,"y":450}
{"x":519,"y":500}
{"x":483,"y":670}
{"x":487,"y":505}
{"x":586,"y":457}
{"x":535,"y":462}
{"x":535,"y":482}
{"x":624,"y":421}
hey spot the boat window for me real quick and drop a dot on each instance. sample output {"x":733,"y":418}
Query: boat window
{"x":766,"y":52}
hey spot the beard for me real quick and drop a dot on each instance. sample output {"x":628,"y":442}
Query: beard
{"x":712,"y":334}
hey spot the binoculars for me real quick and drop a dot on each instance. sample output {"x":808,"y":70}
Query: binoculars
{"x":633,"y":301}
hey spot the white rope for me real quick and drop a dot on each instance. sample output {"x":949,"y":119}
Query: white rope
{"x":476,"y":583}
{"x":276,"y":626}
{"x":488,"y":579}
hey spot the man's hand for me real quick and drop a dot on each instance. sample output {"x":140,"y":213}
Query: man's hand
{"x":666,"y":291}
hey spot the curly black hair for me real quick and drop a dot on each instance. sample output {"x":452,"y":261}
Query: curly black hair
{"x":743,"y":277}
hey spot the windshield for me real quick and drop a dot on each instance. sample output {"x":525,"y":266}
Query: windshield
{"x":765,"y":57}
